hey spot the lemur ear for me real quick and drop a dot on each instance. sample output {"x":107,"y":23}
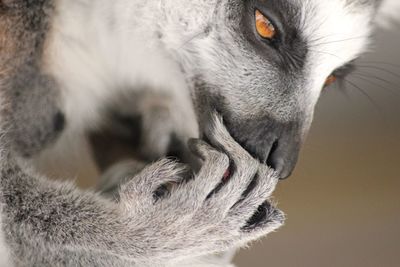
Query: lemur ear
{"x":388,"y":13}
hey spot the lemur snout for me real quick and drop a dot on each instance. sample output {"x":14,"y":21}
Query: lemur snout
{"x":282,"y":156}
{"x":279,"y":150}
{"x":274,"y":143}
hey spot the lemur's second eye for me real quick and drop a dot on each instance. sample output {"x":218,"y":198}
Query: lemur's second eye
{"x":330,"y":80}
{"x":264,"y":26}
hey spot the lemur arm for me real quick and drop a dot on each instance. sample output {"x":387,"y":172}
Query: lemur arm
{"x":49,"y":222}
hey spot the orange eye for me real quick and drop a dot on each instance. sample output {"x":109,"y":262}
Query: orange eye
{"x":264,"y":26}
{"x":330,"y":80}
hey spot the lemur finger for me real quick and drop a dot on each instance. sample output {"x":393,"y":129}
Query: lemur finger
{"x":265,"y":219}
{"x":240,"y":173}
{"x":240,"y":180}
{"x":261,"y":187}
{"x":200,"y":148}
{"x":120,"y":173}
{"x":227,"y":194}
{"x":268,"y":177}
{"x":220,"y":137}
{"x":152,"y":178}
{"x":215,"y":165}
{"x":257,"y":193}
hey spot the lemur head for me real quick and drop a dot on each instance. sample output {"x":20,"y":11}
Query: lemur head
{"x":262,"y":65}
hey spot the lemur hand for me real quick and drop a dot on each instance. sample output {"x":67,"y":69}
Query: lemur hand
{"x":181,"y":218}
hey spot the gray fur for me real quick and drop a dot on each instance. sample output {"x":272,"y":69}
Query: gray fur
{"x":266,"y":95}
{"x":30,"y":97}
{"x":57,"y":225}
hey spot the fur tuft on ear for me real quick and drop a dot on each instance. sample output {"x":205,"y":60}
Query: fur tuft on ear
{"x":388,"y":13}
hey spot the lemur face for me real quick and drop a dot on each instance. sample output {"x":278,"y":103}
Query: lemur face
{"x":263,"y":64}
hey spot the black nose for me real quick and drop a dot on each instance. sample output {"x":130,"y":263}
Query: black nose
{"x":283,"y":154}
{"x":274,"y":143}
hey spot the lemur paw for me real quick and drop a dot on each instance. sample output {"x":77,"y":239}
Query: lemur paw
{"x":224,"y":205}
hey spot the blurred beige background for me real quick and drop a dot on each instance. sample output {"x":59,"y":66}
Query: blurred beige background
{"x":343,"y":202}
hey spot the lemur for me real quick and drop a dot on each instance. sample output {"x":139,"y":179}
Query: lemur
{"x":244,"y":77}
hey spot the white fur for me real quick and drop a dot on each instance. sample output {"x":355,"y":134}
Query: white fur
{"x":94,"y":61}
{"x":334,"y":42}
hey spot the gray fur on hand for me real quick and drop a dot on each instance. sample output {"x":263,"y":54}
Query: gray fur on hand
{"x":195,"y":217}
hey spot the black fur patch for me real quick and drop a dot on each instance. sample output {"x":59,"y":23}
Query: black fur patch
{"x":288,"y":50}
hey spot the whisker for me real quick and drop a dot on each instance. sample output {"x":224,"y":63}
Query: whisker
{"x":376,"y":84}
{"x":341,"y":40}
{"x":381,"y":63}
{"x":335,"y":40}
{"x":326,"y":53}
{"x":379,"y":68}
{"x":363,"y":92}
{"x":377,"y":78}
